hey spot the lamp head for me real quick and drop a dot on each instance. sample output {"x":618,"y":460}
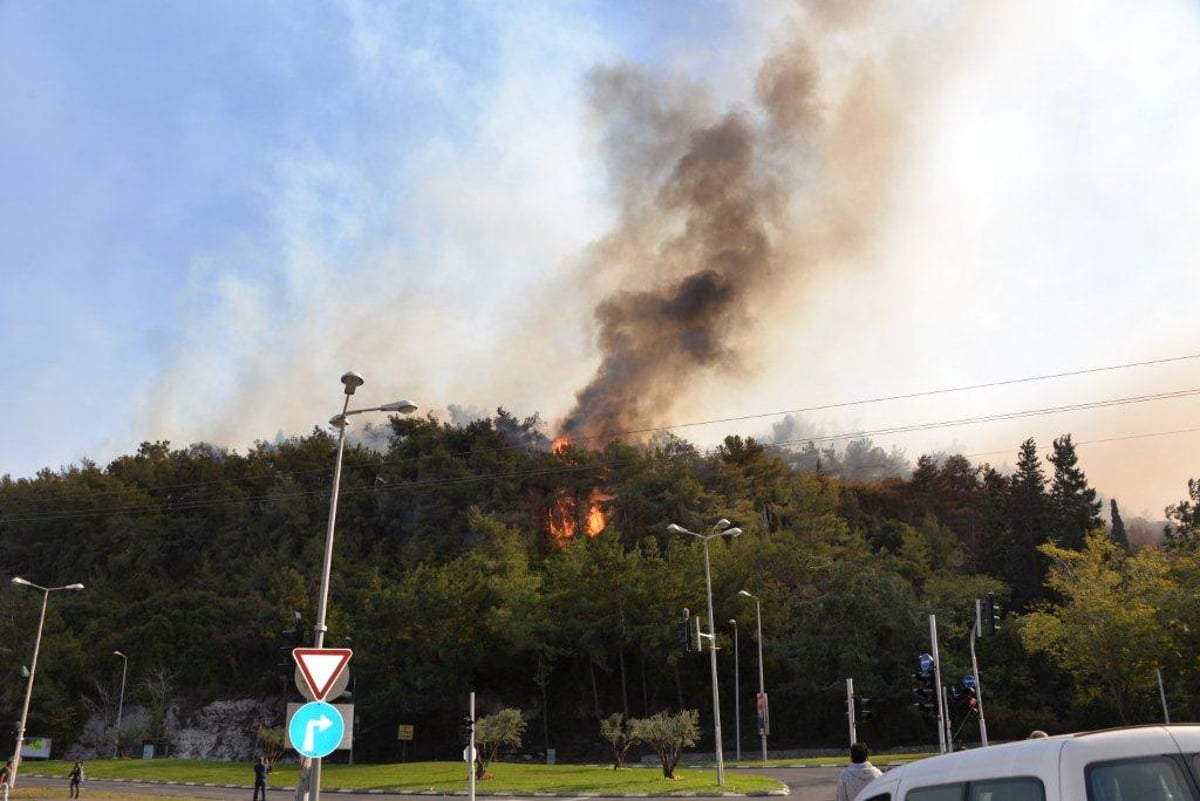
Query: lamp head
{"x":731,"y":532}
{"x":744,"y":592}
{"x":733,"y":622}
{"x":353,"y":381}
{"x":118,"y":653}
{"x":673,"y":528}
{"x":73,"y":587}
{"x":403,"y":407}
{"x":722,"y":524}
{"x":19,"y":580}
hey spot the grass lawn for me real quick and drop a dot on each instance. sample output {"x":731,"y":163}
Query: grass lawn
{"x":444,"y":777}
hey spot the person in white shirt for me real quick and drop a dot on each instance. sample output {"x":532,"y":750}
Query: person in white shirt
{"x":858,"y":774}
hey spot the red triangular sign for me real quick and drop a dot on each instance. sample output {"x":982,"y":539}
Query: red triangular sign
{"x":321,"y":667}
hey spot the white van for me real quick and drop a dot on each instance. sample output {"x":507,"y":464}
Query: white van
{"x":1141,"y":763}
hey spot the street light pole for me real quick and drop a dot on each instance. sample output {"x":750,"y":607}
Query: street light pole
{"x":720,"y":529}
{"x":737,"y":690}
{"x":121,"y":703}
{"x":762,"y":692}
{"x":37,"y":645}
{"x":310,"y":785}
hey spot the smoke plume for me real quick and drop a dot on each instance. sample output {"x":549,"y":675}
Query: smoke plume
{"x":721,"y":215}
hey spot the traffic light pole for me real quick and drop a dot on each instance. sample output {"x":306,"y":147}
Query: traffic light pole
{"x":937,"y":678}
{"x":978,"y":687}
{"x":471,"y":753}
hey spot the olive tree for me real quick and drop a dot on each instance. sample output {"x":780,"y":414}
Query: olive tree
{"x":616,"y":732}
{"x":668,"y":735}
{"x":492,"y":733}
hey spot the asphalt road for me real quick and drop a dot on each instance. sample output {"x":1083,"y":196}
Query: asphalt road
{"x":805,"y":784}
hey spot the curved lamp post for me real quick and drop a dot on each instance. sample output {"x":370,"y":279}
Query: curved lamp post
{"x":37,"y":644}
{"x":720,"y":529}
{"x":762,"y":692}
{"x":121,"y":703}
{"x":351,"y":381}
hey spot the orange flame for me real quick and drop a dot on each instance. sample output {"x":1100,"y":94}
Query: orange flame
{"x":563,"y":518}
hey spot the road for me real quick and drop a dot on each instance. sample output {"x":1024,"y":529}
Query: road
{"x":805,"y":784}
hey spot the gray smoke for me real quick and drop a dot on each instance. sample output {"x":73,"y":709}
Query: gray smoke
{"x":721,"y":215}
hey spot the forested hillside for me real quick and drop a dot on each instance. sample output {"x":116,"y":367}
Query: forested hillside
{"x":480,"y":558}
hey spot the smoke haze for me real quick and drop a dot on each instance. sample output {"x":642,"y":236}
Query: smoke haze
{"x":615,"y":216}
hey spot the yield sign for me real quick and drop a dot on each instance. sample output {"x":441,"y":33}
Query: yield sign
{"x":321,"y":667}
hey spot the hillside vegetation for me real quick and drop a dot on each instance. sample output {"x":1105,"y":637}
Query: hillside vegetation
{"x":478,"y":558}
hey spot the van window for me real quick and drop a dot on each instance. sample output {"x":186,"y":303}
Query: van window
{"x":1153,"y":779}
{"x":1024,"y":788}
{"x":942,"y":792}
{"x":880,"y":797}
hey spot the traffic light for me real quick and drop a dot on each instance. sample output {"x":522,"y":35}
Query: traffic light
{"x":292,"y":638}
{"x":989,"y":616}
{"x":862,"y":707}
{"x":685,"y":635}
{"x":468,"y":728}
{"x":964,"y":694}
{"x":970,"y":695}
{"x":925,"y":686}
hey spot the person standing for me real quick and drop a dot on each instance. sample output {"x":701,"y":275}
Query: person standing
{"x":261,"y":769}
{"x":858,"y":774}
{"x":5,"y":779}
{"x":76,"y":778}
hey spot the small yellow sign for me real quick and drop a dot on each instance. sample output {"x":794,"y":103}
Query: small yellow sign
{"x":405,"y":732}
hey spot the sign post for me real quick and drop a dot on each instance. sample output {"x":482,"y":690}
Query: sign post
{"x":317,"y":728}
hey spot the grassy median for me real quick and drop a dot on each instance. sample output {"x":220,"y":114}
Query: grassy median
{"x":441,"y":777}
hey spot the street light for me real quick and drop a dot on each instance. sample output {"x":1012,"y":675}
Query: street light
{"x":352,"y":381}
{"x":762,"y":692}
{"x":720,"y":529}
{"x":37,"y":644}
{"x":121,"y":703}
{"x":737,"y":690}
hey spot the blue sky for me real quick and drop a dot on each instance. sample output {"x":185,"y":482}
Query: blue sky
{"x":212,"y":210}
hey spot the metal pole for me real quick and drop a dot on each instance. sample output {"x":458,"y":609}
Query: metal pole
{"x":712,"y":654}
{"x":850,"y":710}
{"x":471,"y":753}
{"x":737,"y":691}
{"x":978,"y":687}
{"x":309,"y":785}
{"x":121,"y":703}
{"x":37,"y":644}
{"x":761,"y":689}
{"x":937,"y":677}
{"x":1162,"y":694}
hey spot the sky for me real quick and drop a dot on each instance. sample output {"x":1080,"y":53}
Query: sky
{"x":708,"y":217}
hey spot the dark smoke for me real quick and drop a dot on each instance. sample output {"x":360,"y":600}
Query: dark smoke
{"x":702,"y":206}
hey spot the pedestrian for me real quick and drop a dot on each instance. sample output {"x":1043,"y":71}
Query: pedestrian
{"x":76,"y":777}
{"x":858,"y":774}
{"x":261,"y":769}
{"x":5,"y":780}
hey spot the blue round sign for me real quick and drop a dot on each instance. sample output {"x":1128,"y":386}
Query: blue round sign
{"x":316,"y":729}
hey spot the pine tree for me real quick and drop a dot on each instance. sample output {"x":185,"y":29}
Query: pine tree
{"x":1074,"y":508}
{"x":1029,"y":527}
{"x":1117,"y":532}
